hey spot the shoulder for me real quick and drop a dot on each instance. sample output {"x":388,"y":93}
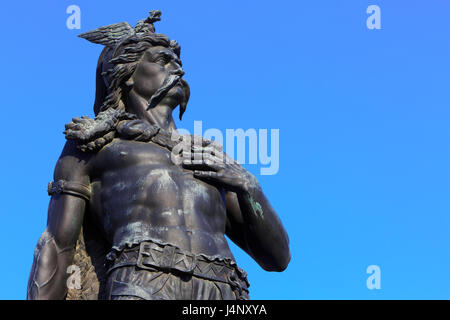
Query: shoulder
{"x":73,"y":164}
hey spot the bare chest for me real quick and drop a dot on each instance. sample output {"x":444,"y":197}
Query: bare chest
{"x":136,"y":174}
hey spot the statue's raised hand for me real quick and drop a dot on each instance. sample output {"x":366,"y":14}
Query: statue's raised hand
{"x":210,"y":163}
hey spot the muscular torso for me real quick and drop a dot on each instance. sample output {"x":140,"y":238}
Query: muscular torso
{"x":139,"y":194}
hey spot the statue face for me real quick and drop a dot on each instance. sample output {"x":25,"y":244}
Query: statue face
{"x":153,"y":72}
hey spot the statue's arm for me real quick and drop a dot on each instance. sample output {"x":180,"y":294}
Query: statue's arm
{"x":55,"y":249}
{"x":254,"y":225}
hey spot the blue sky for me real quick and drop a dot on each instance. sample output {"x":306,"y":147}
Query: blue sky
{"x":363,"y":116}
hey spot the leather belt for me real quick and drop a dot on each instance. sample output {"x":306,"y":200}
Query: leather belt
{"x":153,"y":256}
{"x":166,"y":258}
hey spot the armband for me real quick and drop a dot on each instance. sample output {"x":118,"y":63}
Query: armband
{"x":73,"y":188}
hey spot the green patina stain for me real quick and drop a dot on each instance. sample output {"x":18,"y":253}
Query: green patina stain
{"x":256,"y":207}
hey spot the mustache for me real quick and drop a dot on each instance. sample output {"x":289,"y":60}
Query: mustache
{"x":168,"y":84}
{"x":187,"y":94}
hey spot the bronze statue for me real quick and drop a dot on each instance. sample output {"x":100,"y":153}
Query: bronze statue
{"x":141,"y":217}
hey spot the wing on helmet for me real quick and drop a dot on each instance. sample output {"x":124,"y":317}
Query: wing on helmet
{"x":108,"y":35}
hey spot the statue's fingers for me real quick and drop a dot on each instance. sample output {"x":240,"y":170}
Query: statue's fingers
{"x":214,"y":148}
{"x":216,"y":145}
{"x":202,"y":156}
{"x":192,"y":163}
{"x":186,"y":154}
{"x":206,"y":174}
{"x":69,"y":126}
{"x":206,"y":142}
{"x":73,"y":134}
{"x":197,"y":148}
{"x":219,"y":157}
{"x":201,"y":164}
{"x":83,"y":120}
{"x":208,"y":149}
{"x":210,"y":159}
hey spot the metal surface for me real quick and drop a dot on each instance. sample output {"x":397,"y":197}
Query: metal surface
{"x":137,"y":192}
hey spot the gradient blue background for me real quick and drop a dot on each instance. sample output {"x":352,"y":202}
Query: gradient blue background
{"x":363,"y":116}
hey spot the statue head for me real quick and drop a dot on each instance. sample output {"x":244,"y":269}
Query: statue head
{"x":137,"y":70}
{"x":139,"y":60}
